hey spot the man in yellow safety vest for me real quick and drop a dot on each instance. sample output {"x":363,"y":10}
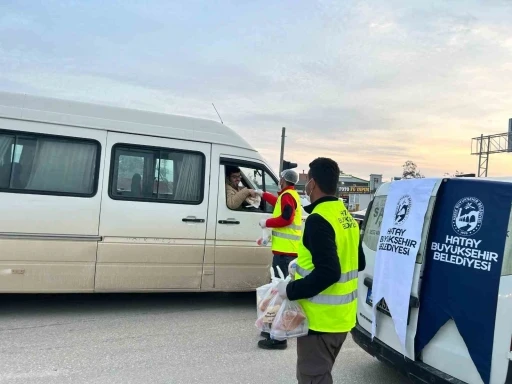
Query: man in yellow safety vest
{"x":286,"y":225}
{"x":326,"y":274}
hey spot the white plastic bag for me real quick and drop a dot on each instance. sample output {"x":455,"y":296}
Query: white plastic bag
{"x":268,"y":303}
{"x":290,"y":321}
{"x":253,"y":202}
{"x":271,"y":304}
{"x":263,"y":291}
{"x":265,"y":237}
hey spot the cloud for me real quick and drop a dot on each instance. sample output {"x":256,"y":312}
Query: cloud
{"x":370,"y":83}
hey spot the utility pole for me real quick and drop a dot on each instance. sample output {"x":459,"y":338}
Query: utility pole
{"x":282,"y":150}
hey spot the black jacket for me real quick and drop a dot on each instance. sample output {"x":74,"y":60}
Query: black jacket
{"x":319,"y":238}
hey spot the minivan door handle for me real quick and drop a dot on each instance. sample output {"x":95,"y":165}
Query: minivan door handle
{"x":229,"y":221}
{"x":192,"y":219}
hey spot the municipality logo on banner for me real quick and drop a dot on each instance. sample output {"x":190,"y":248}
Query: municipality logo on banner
{"x":399,"y":242}
{"x":467,"y":216}
{"x":464,"y":250}
{"x":396,"y":240}
{"x":402,"y":209}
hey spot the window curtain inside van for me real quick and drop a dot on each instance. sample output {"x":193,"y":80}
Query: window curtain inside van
{"x":5,"y":147}
{"x":6,"y":143}
{"x":63,"y":166}
{"x":188,"y":187}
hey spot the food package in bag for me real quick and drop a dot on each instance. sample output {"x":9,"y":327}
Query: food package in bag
{"x":271,"y":304}
{"x":289,"y":322}
{"x":263,"y":292}
{"x":265,"y":299}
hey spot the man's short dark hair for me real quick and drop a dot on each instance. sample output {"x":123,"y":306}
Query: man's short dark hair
{"x":230,"y":169}
{"x":326,"y":173}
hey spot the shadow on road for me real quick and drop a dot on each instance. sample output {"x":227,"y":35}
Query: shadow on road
{"x":151,"y":337}
{"x":147,"y":302}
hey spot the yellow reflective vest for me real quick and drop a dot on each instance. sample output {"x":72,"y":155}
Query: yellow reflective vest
{"x":286,"y":239}
{"x":333,"y":310}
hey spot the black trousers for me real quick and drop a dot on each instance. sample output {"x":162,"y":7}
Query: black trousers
{"x":282,"y":261}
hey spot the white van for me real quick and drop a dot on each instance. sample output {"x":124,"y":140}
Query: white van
{"x":445,"y":359}
{"x":96,"y":198}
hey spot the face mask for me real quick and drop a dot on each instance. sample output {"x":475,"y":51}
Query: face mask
{"x":308,"y":195}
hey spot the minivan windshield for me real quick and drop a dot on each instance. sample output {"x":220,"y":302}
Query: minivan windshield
{"x":373,"y":223}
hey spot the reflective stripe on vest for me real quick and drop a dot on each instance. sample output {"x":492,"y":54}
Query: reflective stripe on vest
{"x":285,"y":236}
{"x":287,"y":239}
{"x":343,"y":278}
{"x":334,"y":299}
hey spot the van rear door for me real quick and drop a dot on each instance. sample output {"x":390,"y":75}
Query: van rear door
{"x":385,"y":326}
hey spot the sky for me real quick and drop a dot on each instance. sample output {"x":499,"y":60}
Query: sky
{"x":371,"y":84}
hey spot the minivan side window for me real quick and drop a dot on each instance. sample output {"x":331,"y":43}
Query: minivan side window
{"x":156,"y":175}
{"x":48,"y":165}
{"x":254,"y":177}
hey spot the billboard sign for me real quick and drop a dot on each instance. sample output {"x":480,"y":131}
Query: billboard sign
{"x":354,"y":189}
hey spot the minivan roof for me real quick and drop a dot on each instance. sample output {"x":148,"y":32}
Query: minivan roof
{"x":79,"y":114}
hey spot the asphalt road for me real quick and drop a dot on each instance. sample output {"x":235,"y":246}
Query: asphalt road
{"x":152,"y":338}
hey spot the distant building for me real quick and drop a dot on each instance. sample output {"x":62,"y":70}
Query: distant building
{"x":355,"y":192}
{"x":303,"y":177}
{"x":375,"y":182}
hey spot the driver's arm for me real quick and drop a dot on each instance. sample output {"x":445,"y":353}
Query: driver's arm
{"x":234,"y":199}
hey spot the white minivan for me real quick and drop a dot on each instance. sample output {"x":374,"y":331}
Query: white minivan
{"x":96,"y":198}
{"x":445,"y":359}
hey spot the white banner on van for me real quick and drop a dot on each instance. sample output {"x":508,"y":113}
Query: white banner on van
{"x":399,"y":242}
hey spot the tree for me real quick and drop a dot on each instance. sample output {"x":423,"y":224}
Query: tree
{"x":411,"y":171}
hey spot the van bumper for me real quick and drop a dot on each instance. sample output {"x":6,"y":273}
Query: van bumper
{"x":416,"y":371}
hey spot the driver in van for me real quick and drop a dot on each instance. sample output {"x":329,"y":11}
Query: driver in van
{"x":236,"y":195}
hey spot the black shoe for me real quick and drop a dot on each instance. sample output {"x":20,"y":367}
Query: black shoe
{"x":272,"y":344}
{"x":266,"y":335}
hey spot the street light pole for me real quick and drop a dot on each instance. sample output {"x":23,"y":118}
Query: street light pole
{"x":282,"y":150}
